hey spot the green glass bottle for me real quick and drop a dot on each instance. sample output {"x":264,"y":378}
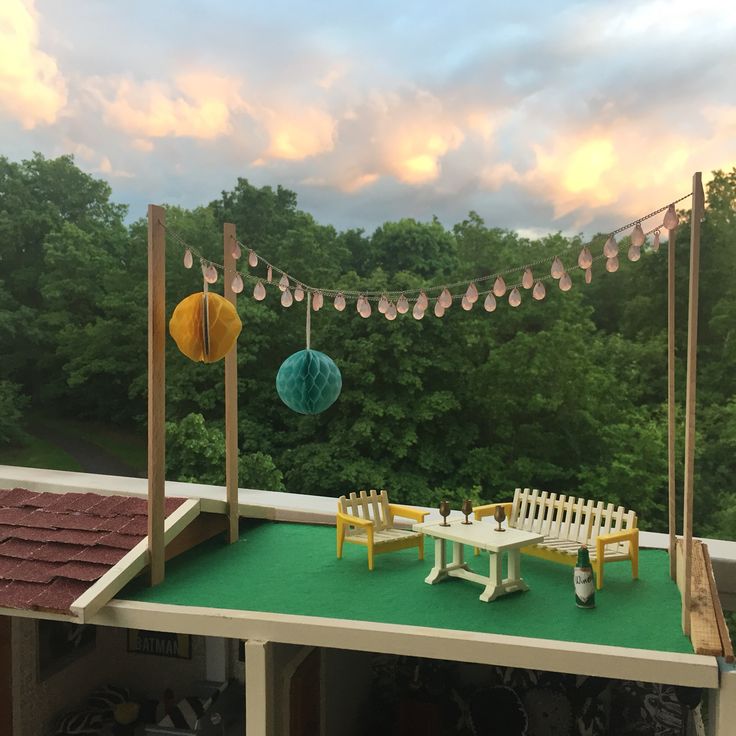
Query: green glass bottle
{"x":584,"y":582}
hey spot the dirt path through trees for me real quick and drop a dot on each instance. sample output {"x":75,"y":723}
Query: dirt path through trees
{"x":91,"y":458}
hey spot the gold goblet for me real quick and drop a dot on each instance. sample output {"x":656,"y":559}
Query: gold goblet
{"x":499,"y":515}
{"x":467,"y":509}
{"x":444,"y":512}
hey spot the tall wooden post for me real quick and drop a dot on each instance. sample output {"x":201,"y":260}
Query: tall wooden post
{"x":231,"y":393}
{"x":692,"y":356}
{"x":156,"y":389}
{"x":671,"y":414}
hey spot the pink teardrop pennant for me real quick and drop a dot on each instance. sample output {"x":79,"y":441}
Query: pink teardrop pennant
{"x":237,"y":284}
{"x":472,"y":293}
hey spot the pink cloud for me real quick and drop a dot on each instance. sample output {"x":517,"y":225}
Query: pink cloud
{"x":628,"y":165}
{"x":32,"y":89}
{"x":295,"y":132}
{"x":195,"y":106}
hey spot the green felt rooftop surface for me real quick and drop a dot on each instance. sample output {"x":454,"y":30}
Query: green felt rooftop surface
{"x":291,"y":568}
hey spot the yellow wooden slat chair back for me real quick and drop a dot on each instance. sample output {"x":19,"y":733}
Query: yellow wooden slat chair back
{"x":368,"y":519}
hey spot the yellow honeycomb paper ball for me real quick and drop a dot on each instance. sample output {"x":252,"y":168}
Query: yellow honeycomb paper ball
{"x":206,"y":339}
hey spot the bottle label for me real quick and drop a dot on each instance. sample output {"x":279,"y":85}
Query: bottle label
{"x":584,"y":586}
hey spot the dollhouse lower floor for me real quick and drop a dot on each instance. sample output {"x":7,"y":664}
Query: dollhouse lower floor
{"x":306,"y":690}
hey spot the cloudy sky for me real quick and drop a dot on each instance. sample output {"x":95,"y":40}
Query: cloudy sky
{"x":539,"y":116}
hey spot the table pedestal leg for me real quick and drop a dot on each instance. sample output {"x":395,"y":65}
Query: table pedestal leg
{"x":442,"y":569}
{"x":514,"y":580}
{"x":495,"y":586}
{"x":458,"y":556}
{"x":439,"y":571}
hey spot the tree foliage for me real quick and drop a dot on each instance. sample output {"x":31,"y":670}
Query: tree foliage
{"x":12,"y":404}
{"x":567,"y":394}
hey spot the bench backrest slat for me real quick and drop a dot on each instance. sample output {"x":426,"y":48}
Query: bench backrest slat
{"x":527,"y":518}
{"x":516,"y":508}
{"x":577,"y":520}
{"x":607,"y":519}
{"x":630,"y":521}
{"x":520,"y":507}
{"x":618,"y":519}
{"x":594,"y":521}
{"x":558,"y":511}
{"x":549,"y":514}
{"x":567,"y":516}
{"x":538,"y":517}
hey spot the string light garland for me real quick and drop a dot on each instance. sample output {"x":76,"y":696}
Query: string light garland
{"x":394,"y":302}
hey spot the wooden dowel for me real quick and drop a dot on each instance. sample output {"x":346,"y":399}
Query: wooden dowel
{"x":671,"y":414}
{"x":231,"y":393}
{"x":156,"y":389}
{"x":690,"y":398}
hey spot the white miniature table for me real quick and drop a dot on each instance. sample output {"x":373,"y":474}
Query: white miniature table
{"x":486,"y":537}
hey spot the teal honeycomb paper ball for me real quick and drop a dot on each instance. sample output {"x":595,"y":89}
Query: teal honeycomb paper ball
{"x":308,"y":382}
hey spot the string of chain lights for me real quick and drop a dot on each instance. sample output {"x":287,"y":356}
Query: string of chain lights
{"x":493,"y":286}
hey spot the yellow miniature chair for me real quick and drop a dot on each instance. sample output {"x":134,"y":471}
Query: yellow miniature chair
{"x":368,"y":519}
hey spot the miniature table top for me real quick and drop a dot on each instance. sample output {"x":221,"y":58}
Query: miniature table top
{"x":478,"y":534}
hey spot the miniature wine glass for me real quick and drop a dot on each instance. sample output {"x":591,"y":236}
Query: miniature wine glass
{"x":467,"y":509}
{"x":499,"y":515}
{"x":444,"y":512}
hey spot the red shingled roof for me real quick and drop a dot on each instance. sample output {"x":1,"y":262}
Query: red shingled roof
{"x":53,"y":546}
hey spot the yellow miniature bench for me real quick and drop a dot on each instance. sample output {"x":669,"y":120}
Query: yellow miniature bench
{"x":567,"y":523}
{"x":368,"y":519}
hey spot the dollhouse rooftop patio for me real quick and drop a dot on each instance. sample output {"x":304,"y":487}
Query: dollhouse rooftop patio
{"x":281,"y":582}
{"x":290,"y":568}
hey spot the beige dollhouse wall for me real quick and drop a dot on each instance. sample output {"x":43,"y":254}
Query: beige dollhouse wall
{"x":37,"y":703}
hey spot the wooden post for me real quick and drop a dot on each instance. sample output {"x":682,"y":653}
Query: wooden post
{"x":692,"y":355}
{"x":671,"y":414}
{"x":156,"y":389}
{"x":231,"y":393}
{"x":258,"y":687}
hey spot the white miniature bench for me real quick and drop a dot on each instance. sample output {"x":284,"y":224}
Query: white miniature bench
{"x":567,"y":523}
{"x":368,"y":519}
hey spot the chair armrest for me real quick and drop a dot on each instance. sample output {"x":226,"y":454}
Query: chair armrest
{"x":406,"y":512}
{"x":480,"y":512}
{"x":354,"y":520}
{"x":629,"y":535}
